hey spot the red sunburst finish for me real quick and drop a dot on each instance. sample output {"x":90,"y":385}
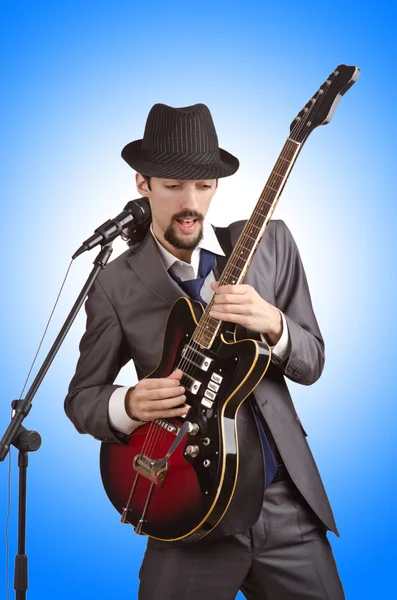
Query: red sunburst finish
{"x":196,"y":490}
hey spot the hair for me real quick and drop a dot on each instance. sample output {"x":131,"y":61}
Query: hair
{"x":147,"y":178}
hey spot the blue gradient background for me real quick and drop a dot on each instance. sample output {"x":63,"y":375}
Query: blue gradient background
{"x":78,"y":79}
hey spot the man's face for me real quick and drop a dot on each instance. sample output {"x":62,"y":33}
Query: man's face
{"x":178,"y":209}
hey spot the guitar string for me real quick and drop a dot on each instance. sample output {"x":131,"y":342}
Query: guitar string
{"x":297,"y":129}
{"x":317,"y":104}
{"x":153,"y":436}
{"x":311,"y":110}
{"x":299,"y":126}
{"x":153,"y":440}
{"x":193,"y":346}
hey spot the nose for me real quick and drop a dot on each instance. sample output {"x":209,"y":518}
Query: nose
{"x":190,"y":198}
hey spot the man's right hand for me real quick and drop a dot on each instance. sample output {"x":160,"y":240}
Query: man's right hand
{"x":159,"y":398}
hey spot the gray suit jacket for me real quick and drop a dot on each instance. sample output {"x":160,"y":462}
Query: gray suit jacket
{"x":127,"y":310}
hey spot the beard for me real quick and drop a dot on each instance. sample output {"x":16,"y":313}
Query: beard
{"x":179,"y":242}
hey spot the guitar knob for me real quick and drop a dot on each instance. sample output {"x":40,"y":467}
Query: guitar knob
{"x":194,"y":429}
{"x":192,"y":451}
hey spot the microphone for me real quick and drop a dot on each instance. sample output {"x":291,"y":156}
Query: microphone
{"x":136,"y":211}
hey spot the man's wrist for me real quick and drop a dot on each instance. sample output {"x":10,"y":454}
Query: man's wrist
{"x":275,"y":333}
{"x":127,"y":405}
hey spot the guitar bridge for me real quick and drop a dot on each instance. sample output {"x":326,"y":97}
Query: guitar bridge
{"x":148,"y":468}
{"x":156,"y":470}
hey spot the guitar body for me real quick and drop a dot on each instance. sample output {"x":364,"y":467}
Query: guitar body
{"x":187,"y":499}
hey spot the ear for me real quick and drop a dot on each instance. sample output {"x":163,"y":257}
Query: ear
{"x":141,"y":185}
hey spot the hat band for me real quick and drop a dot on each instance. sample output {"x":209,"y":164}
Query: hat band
{"x":165,"y":157}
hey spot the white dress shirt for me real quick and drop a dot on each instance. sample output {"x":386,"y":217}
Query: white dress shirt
{"x":117,"y":414}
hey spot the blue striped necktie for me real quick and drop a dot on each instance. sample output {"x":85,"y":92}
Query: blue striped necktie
{"x":192,"y":287}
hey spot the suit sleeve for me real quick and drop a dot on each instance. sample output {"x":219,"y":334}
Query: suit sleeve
{"x":103,"y":352}
{"x":306,"y":357}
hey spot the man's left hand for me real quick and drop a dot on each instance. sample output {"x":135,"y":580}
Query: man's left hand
{"x":241,"y":304}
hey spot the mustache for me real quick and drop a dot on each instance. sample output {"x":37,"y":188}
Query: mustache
{"x":188,"y":213}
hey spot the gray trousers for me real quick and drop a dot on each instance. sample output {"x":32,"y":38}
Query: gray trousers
{"x":285,"y":556}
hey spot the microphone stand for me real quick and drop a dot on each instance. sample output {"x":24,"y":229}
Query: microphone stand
{"x":29,"y":441}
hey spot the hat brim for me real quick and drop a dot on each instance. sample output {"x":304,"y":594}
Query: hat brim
{"x":178,"y":166}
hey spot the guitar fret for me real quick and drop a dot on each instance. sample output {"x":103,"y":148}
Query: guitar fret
{"x":271,"y":198}
{"x":208,"y":326}
{"x":250,"y":236}
{"x":241,"y":258}
{"x":245,"y":247}
{"x":230,"y":279}
{"x":249,"y":240}
{"x":263,"y":199}
{"x":243,"y":261}
{"x":241,"y":255}
{"x":254,"y":225}
{"x":275,"y":181}
{"x":233,"y":267}
{"x":202,"y":338}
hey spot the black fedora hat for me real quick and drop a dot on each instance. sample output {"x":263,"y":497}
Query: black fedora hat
{"x":180,"y":143}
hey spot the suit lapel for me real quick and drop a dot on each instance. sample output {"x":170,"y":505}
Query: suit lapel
{"x":216,"y":269}
{"x":145,"y":260}
{"x":223,"y":235}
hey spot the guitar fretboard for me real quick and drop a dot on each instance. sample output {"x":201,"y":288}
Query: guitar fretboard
{"x":247,"y":244}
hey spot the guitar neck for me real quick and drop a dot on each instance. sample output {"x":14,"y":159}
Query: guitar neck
{"x":248,"y":242}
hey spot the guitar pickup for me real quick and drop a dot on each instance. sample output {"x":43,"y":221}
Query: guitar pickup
{"x":197,"y":358}
{"x":192,"y":385}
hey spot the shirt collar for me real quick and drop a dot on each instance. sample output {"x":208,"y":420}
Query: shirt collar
{"x":209,"y":242}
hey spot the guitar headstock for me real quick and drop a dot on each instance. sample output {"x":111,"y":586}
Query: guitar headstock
{"x":321,"y":107}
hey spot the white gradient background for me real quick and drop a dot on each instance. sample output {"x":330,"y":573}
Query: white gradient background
{"x":78,"y":79}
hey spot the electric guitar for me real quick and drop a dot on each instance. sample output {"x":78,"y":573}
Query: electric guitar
{"x":175,"y":478}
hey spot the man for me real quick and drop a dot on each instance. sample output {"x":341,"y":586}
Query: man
{"x":270,"y":545}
